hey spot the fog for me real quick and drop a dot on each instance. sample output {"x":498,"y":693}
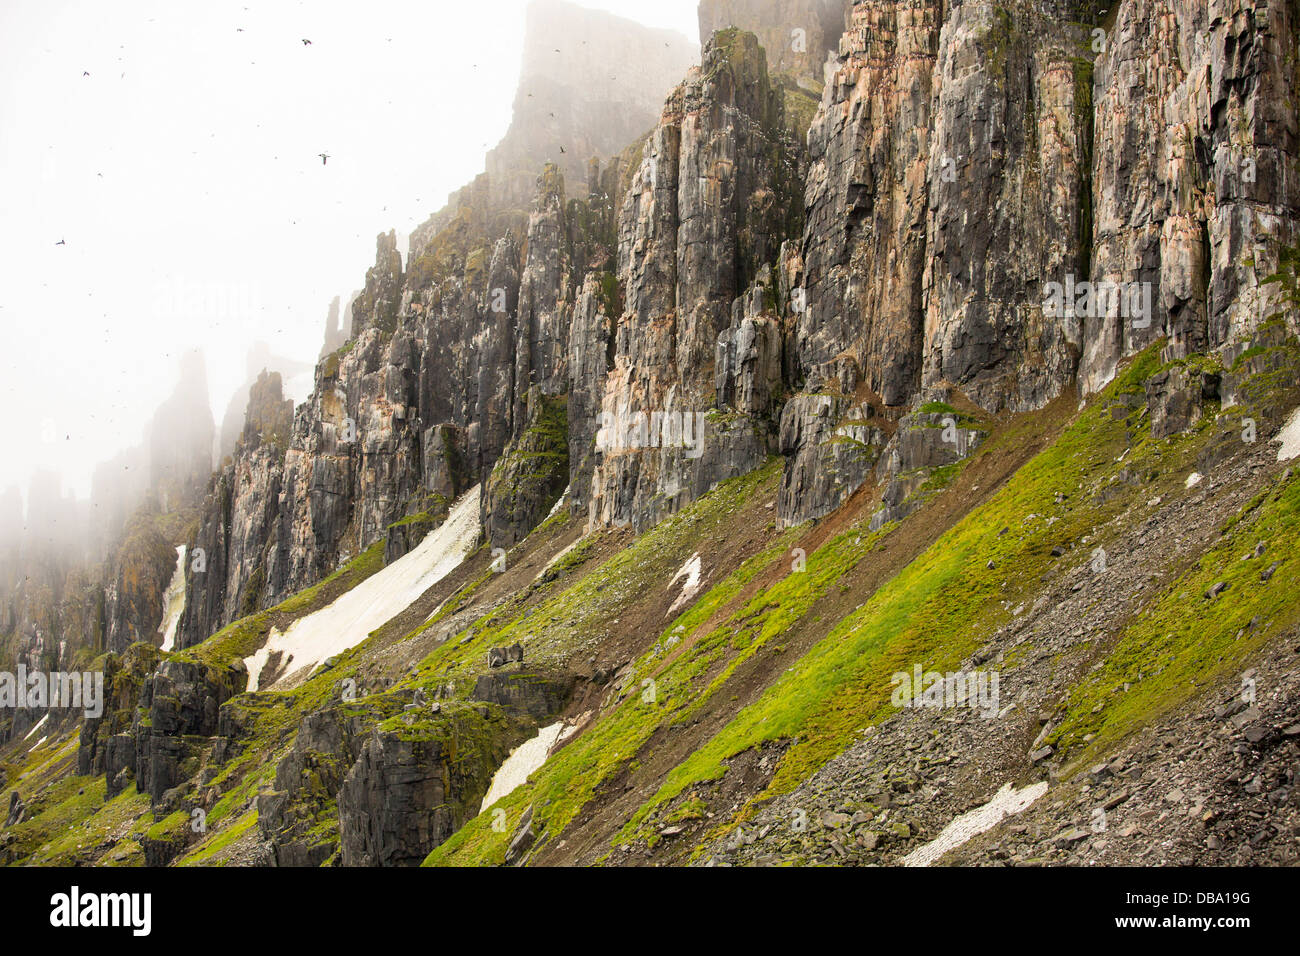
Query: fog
{"x":162,"y":190}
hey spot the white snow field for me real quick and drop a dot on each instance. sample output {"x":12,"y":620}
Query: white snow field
{"x":1289,"y":437}
{"x":174,"y":602}
{"x":689,"y":575}
{"x":1006,"y":802}
{"x":37,"y":726}
{"x":353,"y":616}
{"x":523,"y":760}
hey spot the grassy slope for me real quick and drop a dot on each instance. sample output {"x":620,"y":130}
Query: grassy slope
{"x":937,"y":611}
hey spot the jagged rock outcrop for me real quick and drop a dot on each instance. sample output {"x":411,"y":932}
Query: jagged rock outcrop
{"x":260,"y":360}
{"x":713,"y":199}
{"x":226,"y":576}
{"x":124,"y":678}
{"x":336,"y":334}
{"x":525,"y":693}
{"x":378,"y":303}
{"x":415,"y":784}
{"x":134,"y":597}
{"x":178,"y":700}
{"x":1197,"y":174}
{"x":307,"y":782}
{"x":531,"y":476}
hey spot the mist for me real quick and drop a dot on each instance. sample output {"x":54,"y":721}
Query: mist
{"x":208,"y":178}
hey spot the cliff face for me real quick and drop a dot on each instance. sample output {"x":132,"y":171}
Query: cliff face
{"x":714,"y":197}
{"x":1195,"y":176}
{"x":961,"y":166}
{"x":642,"y":327}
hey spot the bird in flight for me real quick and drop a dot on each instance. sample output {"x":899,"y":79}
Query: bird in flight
{"x":324,"y":158}
{"x":60,"y":243}
{"x":561,"y":149}
{"x":306,"y":43}
{"x":85,"y":73}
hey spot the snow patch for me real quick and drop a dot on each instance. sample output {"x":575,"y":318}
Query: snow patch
{"x":353,"y":616}
{"x":690,"y":587}
{"x":523,"y":761}
{"x":1289,"y":436}
{"x":37,"y":726}
{"x":1006,"y":802}
{"x":1193,"y":480}
{"x":559,"y":503}
{"x":174,"y":602}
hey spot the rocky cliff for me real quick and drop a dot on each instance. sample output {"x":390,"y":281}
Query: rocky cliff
{"x":851,"y":351}
{"x":724,"y":289}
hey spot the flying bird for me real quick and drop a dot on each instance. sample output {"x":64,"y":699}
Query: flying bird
{"x":306,"y":43}
{"x":324,"y":158}
{"x":60,"y":243}
{"x":85,"y":73}
{"x":561,"y":149}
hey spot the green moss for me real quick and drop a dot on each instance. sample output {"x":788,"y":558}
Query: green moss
{"x":937,"y":408}
{"x":170,"y":827}
{"x":241,"y":638}
{"x":935,"y":611}
{"x":611,"y":296}
{"x":585,"y":608}
{"x":208,"y":850}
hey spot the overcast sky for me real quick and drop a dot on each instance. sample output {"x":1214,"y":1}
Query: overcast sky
{"x":183,"y":177}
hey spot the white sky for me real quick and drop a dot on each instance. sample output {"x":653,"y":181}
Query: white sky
{"x":186,"y":162}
